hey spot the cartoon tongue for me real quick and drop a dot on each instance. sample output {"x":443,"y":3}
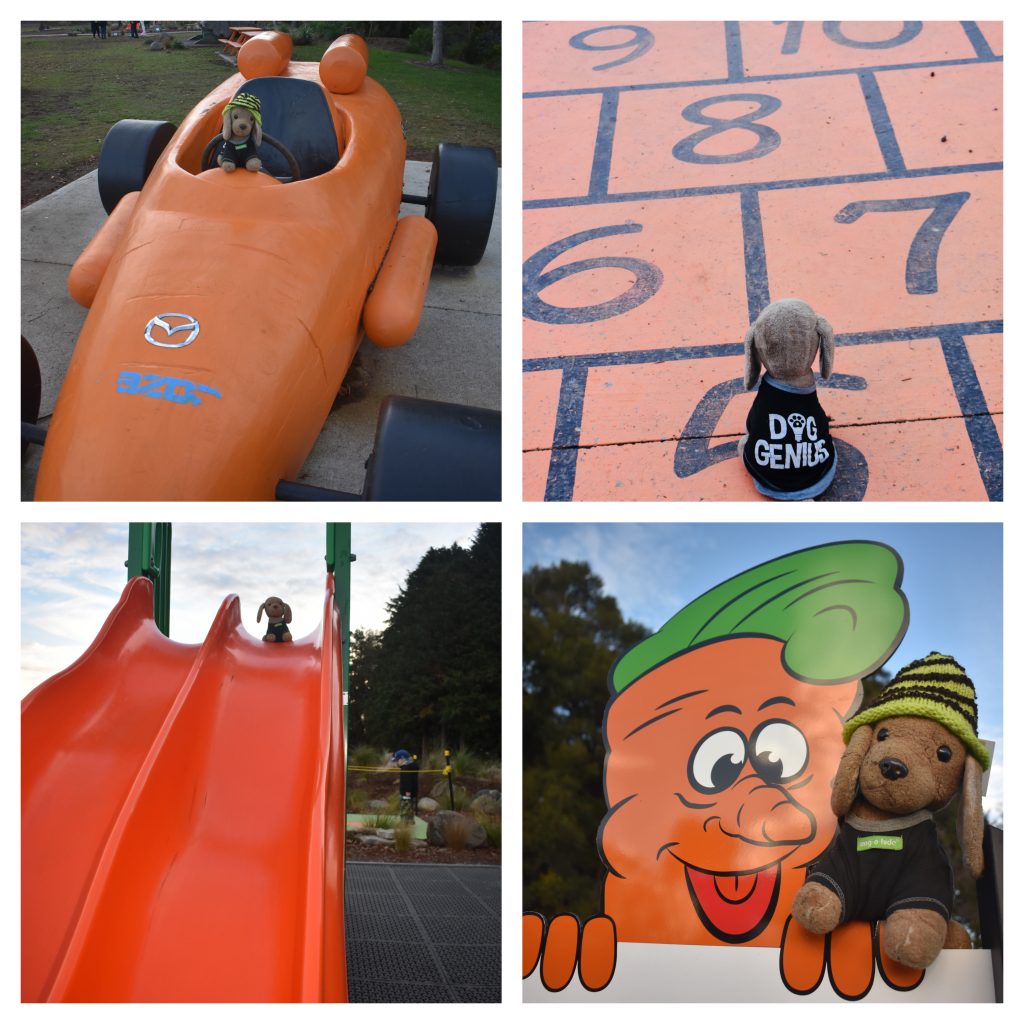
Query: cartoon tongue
{"x":734,"y":908}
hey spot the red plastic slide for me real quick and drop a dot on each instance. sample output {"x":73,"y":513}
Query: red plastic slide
{"x":182,"y":816}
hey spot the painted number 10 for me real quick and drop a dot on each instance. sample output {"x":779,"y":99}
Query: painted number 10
{"x":833,"y":30}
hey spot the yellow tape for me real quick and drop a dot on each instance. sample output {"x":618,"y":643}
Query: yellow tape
{"x":415,"y":771}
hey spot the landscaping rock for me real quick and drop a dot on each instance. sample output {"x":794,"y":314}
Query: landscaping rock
{"x":427,"y":805}
{"x":378,"y":805}
{"x":475,"y":834}
{"x":487,"y":801}
{"x":440,"y":793}
{"x":372,"y":840}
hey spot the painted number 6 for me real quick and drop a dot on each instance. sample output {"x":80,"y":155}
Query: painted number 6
{"x":647,"y":279}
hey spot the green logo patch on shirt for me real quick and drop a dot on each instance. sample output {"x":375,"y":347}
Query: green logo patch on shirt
{"x":879,"y":843}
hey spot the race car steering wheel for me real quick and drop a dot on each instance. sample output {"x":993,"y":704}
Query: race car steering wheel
{"x":207,"y":160}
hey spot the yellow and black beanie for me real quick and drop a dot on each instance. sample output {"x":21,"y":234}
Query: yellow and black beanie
{"x":935,"y":687}
{"x":249,"y":102}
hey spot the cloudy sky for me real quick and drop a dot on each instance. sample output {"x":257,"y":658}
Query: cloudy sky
{"x":72,"y":575}
{"x":952,"y":579}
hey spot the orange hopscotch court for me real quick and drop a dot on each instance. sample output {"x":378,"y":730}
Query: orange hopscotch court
{"x":679,"y":177}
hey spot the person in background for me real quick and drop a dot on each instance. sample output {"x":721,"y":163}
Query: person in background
{"x":408,"y":784}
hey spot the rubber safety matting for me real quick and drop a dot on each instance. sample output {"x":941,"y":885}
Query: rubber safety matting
{"x":679,"y":176}
{"x":423,"y":934}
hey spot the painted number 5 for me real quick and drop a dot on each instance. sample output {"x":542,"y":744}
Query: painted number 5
{"x":922,"y":259}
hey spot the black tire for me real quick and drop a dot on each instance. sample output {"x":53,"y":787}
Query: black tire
{"x":129,"y":153}
{"x":31,"y":387}
{"x":460,"y":201}
{"x":434,"y":451}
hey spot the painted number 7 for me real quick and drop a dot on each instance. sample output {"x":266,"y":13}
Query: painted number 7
{"x":922,"y":259}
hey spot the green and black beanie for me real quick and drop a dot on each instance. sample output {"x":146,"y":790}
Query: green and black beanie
{"x":935,"y":687}
{"x":249,"y":102}
{"x":838,"y":608}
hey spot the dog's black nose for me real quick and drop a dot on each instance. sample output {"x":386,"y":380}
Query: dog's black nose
{"x":892,"y":769}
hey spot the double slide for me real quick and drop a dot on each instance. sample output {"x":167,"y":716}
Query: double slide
{"x":183,"y":816}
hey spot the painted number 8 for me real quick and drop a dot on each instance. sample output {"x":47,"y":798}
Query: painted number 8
{"x":768,"y":138}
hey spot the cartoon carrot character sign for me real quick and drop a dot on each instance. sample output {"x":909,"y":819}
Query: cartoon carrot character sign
{"x":723,"y":733}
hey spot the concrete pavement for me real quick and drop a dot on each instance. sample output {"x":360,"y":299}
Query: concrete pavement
{"x":455,"y":355}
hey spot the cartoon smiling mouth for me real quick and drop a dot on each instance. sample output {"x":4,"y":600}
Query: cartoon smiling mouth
{"x":734,"y":906}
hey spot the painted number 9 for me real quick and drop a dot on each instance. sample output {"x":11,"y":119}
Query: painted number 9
{"x":641,"y":42}
{"x":647,"y":279}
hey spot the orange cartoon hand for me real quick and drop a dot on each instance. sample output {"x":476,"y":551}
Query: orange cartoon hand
{"x":849,"y":954}
{"x":559,"y":945}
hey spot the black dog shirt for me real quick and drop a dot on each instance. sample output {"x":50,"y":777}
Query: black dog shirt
{"x":789,"y":451}
{"x":238,"y":153}
{"x":277,"y":629}
{"x":877,"y":867}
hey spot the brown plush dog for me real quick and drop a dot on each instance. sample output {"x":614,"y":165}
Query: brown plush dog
{"x":242,"y":134}
{"x":278,"y":617}
{"x":787,"y":448}
{"x":907,"y":755}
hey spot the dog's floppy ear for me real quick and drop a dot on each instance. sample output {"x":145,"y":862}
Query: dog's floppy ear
{"x":751,"y":360}
{"x":970,"y":824}
{"x":259,"y":614}
{"x":826,"y":347}
{"x":226,"y":130}
{"x":287,"y":612}
{"x":257,"y":132}
{"x":844,"y":786}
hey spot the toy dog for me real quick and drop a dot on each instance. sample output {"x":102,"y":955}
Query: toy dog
{"x":787,"y":448}
{"x":278,"y":617}
{"x":242,"y":134}
{"x":907,"y":755}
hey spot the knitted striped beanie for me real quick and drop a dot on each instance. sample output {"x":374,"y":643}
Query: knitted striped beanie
{"x":935,"y":687}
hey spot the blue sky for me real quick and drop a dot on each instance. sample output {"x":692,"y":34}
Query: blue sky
{"x":953,"y":579}
{"x":73,"y":573}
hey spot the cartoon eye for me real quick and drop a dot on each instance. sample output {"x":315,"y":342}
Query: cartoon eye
{"x":944,"y":753}
{"x":883,"y":734}
{"x":778,"y":751}
{"x":717,"y":760}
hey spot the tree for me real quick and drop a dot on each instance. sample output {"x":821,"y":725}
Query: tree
{"x":432,"y":677}
{"x":572,"y":634}
{"x":437,"y":53}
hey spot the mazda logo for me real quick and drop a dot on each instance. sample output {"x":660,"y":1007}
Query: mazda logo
{"x":191,"y":324}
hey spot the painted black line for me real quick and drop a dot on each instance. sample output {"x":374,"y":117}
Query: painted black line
{"x":881,"y":123}
{"x":782,"y":76}
{"x":761,"y":186}
{"x":978,"y":40}
{"x":561,"y":480}
{"x":734,"y":51}
{"x":716,"y":351}
{"x":981,"y":428}
{"x":601,"y":167}
{"x":754,"y":261}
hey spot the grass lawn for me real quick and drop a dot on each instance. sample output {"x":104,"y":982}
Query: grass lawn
{"x":75,"y":88}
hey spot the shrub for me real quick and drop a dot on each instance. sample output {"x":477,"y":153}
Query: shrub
{"x":381,"y":821}
{"x":421,"y":40}
{"x":403,"y":838}
{"x":368,"y":755}
{"x":465,"y":762}
{"x":357,"y":801}
{"x":492,"y":826}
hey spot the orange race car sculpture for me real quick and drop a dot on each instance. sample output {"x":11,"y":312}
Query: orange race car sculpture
{"x":225,"y":309}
